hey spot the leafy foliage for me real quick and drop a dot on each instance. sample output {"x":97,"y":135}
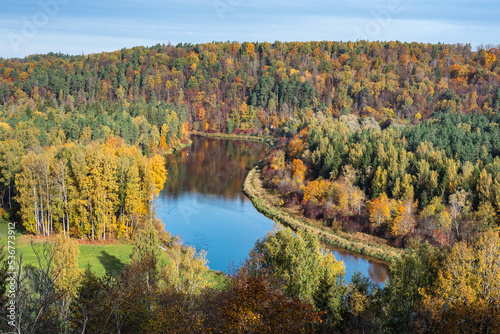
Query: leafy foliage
{"x":308,"y":272}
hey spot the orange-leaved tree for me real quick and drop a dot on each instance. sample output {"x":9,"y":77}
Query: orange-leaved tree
{"x":380,"y":210}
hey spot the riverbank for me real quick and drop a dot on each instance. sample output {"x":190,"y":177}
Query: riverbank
{"x":102,"y":257}
{"x":270,"y":140}
{"x":181,"y":146}
{"x":268,"y":204}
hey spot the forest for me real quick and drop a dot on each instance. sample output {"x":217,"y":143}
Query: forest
{"x":437,"y":181}
{"x":397,"y":140}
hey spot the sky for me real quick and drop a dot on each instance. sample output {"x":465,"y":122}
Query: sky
{"x":92,"y":26}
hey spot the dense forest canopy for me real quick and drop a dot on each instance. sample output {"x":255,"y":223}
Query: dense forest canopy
{"x":233,"y":85}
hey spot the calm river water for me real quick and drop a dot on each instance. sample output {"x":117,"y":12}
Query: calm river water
{"x":203,"y":205}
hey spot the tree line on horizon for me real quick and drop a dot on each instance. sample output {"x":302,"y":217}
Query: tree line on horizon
{"x":227,"y":86}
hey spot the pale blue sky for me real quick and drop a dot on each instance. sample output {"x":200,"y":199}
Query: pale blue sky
{"x":76,"y":27}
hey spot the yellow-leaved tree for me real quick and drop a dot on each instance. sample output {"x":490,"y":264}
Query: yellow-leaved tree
{"x":155,"y":176}
{"x":100,"y":189}
{"x":186,"y":271}
{"x":65,"y":271}
{"x":316,"y":190}
{"x":466,"y":295}
{"x":405,"y":221}
{"x":298,"y":171}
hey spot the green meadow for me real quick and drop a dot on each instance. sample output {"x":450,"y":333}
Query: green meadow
{"x":102,"y":258}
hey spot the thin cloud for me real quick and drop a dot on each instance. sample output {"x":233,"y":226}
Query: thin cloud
{"x":97,"y":25}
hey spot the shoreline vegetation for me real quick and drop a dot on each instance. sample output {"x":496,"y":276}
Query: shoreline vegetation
{"x":102,"y":255}
{"x":270,"y":140}
{"x":361,"y":244}
{"x":178,"y":148}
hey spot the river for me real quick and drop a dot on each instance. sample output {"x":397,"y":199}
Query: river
{"x":203,"y":205}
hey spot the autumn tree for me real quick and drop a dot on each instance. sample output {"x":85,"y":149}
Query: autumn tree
{"x":36,"y":192}
{"x":295,"y":148}
{"x":11,"y":153}
{"x":65,"y":271}
{"x":356,"y":196}
{"x":435,"y":220}
{"x":405,"y":220}
{"x":458,"y":201}
{"x":298,"y":171}
{"x":154,"y":179}
{"x":100,"y":188}
{"x":187,"y":270}
{"x":146,"y":253}
{"x":465,"y":295}
{"x":380,"y":210}
{"x":253,"y":304}
{"x":379,"y":183}
{"x":408,"y":276}
{"x":316,"y":191}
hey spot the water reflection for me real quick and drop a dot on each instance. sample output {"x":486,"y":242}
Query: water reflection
{"x":377,"y":271}
{"x":212,"y":167}
{"x":203,"y":204}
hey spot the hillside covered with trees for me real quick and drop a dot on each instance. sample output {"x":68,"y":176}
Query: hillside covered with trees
{"x":444,"y":99}
{"x":398,"y":140}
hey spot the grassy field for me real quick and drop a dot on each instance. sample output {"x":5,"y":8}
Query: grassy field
{"x":102,"y":257}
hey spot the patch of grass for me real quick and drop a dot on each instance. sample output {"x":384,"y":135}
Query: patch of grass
{"x":102,"y":257}
{"x":4,"y":230}
{"x":21,"y":242}
{"x":217,"y":280}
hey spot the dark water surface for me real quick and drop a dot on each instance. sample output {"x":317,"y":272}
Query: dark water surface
{"x":203,"y":205}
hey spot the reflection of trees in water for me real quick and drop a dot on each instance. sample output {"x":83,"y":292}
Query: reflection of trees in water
{"x":212,"y":166}
{"x":377,"y":272}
